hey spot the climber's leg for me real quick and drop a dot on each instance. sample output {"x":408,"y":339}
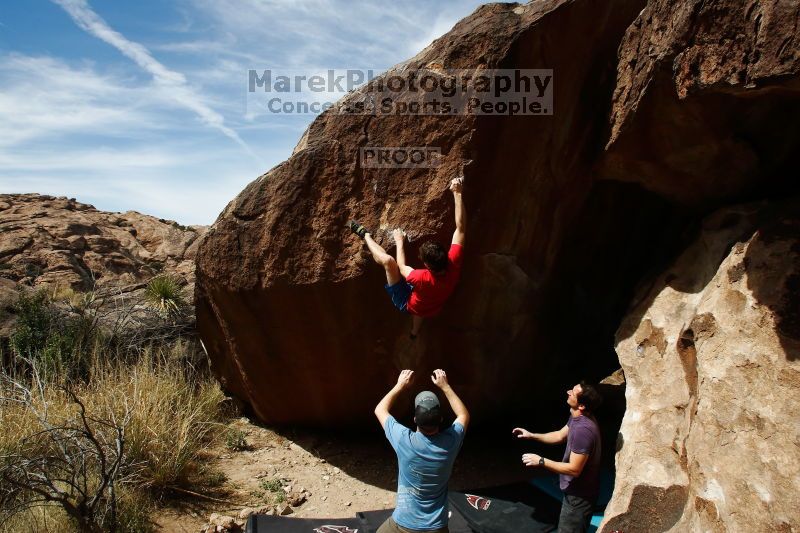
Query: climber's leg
{"x":385,"y":260}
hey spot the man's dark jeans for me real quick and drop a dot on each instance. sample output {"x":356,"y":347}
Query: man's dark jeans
{"x":576,"y":513}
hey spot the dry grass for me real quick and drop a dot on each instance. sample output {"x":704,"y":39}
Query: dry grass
{"x":174,"y":416}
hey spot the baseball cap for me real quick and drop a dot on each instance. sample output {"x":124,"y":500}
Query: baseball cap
{"x":427,"y":410}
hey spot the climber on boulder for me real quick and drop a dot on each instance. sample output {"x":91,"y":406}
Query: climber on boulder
{"x":421,"y":292}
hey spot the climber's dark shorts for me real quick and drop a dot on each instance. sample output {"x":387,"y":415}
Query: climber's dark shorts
{"x":400,"y":292}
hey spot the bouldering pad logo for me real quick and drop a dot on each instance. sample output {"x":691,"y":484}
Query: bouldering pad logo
{"x":478,"y":502}
{"x":335,"y":529}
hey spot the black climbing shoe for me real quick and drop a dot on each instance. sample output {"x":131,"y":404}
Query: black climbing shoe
{"x":357,"y":228}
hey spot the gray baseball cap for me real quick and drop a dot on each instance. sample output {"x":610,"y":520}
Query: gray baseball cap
{"x":427,"y":409}
{"x":426,"y":399}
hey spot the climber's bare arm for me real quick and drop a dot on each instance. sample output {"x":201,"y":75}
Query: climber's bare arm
{"x":456,"y":185}
{"x":405,"y":270}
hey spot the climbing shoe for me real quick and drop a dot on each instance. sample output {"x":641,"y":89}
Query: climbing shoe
{"x":357,"y":228}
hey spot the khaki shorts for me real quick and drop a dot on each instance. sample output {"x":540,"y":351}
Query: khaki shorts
{"x":390,"y":526}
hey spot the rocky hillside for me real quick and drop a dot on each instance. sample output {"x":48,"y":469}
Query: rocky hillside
{"x":665,"y":113}
{"x":48,"y":241}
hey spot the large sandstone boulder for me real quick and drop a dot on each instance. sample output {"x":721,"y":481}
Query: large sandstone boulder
{"x":707,"y":100}
{"x":711,"y":356}
{"x":291,"y":308}
{"x":657,"y":120}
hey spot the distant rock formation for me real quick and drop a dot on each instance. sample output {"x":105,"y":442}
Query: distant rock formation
{"x":49,"y":241}
{"x":711,"y":356}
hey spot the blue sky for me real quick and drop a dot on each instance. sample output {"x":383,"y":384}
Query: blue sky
{"x":142,"y":104}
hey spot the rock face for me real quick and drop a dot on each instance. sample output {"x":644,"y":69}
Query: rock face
{"x":566,"y":212}
{"x":292,"y":309}
{"x":711,"y":357}
{"x":706,"y":100}
{"x":59,"y":241}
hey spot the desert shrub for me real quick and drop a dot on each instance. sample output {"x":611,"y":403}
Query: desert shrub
{"x":44,"y":519}
{"x":272,"y":490}
{"x":174,"y":414}
{"x":236,"y":440}
{"x":35,"y":320}
{"x":169,"y":417}
{"x":209,"y":477}
{"x":164,"y":294}
{"x":55,"y":340}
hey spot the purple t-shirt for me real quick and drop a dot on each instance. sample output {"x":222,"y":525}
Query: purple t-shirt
{"x":583,"y":438}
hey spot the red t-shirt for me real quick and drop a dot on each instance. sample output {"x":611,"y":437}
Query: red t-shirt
{"x":431,"y":292}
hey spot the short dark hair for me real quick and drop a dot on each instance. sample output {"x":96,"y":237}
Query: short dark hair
{"x":434,"y":256}
{"x":427,"y":419}
{"x":589,"y":397}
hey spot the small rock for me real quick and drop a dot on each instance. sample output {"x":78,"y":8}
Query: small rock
{"x":348,"y":504}
{"x":225,"y":522}
{"x":295,"y":499}
{"x":284,"y":509}
{"x":246,"y":512}
{"x":337,"y":470}
{"x":326,"y":478}
{"x":324,"y":498}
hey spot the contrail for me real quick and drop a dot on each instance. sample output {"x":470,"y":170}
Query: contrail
{"x":91,"y":22}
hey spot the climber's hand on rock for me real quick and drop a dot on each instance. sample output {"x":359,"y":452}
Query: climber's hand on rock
{"x":398,"y":235}
{"x":405,"y":378}
{"x":456,"y":185}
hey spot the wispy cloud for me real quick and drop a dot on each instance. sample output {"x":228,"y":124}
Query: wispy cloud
{"x":173,"y":82}
{"x":44,"y":98}
{"x":93,"y":127}
{"x":330,"y":33}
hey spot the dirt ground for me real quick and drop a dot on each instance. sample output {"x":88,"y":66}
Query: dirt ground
{"x":342,"y":472}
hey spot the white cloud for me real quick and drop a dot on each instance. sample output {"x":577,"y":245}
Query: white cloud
{"x":174,"y":83}
{"x":43,"y":98}
{"x":100,"y":160}
{"x":322,"y":34}
{"x":124,"y":135}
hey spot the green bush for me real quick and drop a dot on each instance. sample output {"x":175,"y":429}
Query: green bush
{"x":54,"y":340}
{"x":35,"y":320}
{"x":235,"y":440}
{"x":164,"y":294}
{"x":274,"y":488}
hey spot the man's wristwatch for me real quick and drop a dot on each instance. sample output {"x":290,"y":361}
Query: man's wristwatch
{"x":541,"y":461}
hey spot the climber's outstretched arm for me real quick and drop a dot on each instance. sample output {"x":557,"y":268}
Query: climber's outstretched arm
{"x":405,"y":270}
{"x":456,"y":185}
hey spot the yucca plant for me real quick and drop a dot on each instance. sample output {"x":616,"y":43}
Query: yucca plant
{"x":164,"y":294}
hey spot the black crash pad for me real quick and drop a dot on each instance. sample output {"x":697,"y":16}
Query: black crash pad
{"x":506,"y":509}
